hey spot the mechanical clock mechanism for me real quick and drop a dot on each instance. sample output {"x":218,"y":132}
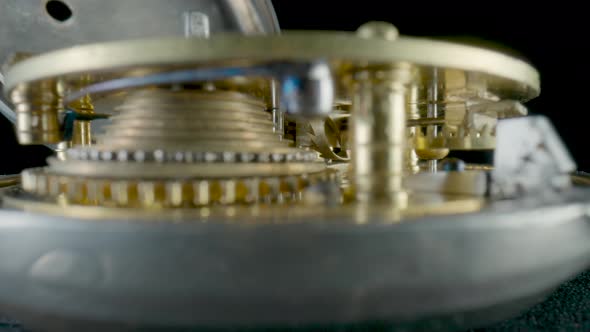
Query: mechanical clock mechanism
{"x":300,"y":179}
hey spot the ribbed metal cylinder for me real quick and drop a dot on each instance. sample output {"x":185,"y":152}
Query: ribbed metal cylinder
{"x":379,"y":134}
{"x":197,"y":120}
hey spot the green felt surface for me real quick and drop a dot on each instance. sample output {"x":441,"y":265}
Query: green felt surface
{"x":567,"y":309}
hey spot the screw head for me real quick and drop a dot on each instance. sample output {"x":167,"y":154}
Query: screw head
{"x":378,"y":29}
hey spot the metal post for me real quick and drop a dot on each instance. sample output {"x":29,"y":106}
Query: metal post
{"x":432,"y":112}
{"x":413,"y":114}
{"x":82,"y":134}
{"x":379,"y":134}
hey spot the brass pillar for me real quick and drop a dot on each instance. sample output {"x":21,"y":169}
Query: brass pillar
{"x":379,"y":134}
{"x":412,"y":160}
{"x":37,"y":112}
{"x":82,"y":134}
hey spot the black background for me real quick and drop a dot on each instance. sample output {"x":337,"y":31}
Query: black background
{"x":552,"y":36}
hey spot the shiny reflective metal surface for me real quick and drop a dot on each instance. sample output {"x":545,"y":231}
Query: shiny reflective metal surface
{"x":307,"y":271}
{"x":28,"y":26}
{"x":505,"y":76}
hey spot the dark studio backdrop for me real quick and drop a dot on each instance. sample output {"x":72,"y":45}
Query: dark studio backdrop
{"x":553,"y":37}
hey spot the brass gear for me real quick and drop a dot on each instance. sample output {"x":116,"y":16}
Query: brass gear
{"x":181,"y":149}
{"x":277,"y":155}
{"x":169,"y":193}
{"x":460,"y":139}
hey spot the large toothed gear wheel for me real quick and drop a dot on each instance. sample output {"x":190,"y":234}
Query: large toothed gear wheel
{"x":187,"y":156}
{"x":172,"y":192}
{"x":181,"y":149}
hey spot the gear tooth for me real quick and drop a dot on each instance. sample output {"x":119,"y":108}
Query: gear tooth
{"x":83,"y":154}
{"x":228,"y":157}
{"x":241,"y":191}
{"x":187,"y":192}
{"x":187,"y":189}
{"x":68,"y":189}
{"x":287,"y":188}
{"x":201,"y":193}
{"x":263,"y":191}
{"x":174,"y":194}
{"x":146,"y":193}
{"x":297,"y":191}
{"x":274,"y":190}
{"x":92,"y":195}
{"x":72,"y":153}
{"x":263,"y":157}
{"x":75,"y":192}
{"x":159,"y":156}
{"x":106,"y":155}
{"x":215,"y":192}
{"x":189,"y":156}
{"x":28,"y":179}
{"x":179,"y":157}
{"x":228,"y":188}
{"x":139,"y":156}
{"x":199,"y":156}
{"x":160,"y":192}
{"x":122,"y":155}
{"x":125,"y":193}
{"x":253,"y":186}
{"x":120,"y":192}
{"x":246,"y":157}
{"x":132,"y":192}
{"x":170,"y":156}
{"x":277,"y":157}
{"x":210,"y":157}
{"x":103,"y":192}
{"x":33,"y":180}
{"x":94,"y":154}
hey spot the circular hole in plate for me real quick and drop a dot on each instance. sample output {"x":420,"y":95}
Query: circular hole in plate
{"x":58,"y":10}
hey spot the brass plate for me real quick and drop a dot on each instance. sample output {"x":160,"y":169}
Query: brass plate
{"x":465,"y":68}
